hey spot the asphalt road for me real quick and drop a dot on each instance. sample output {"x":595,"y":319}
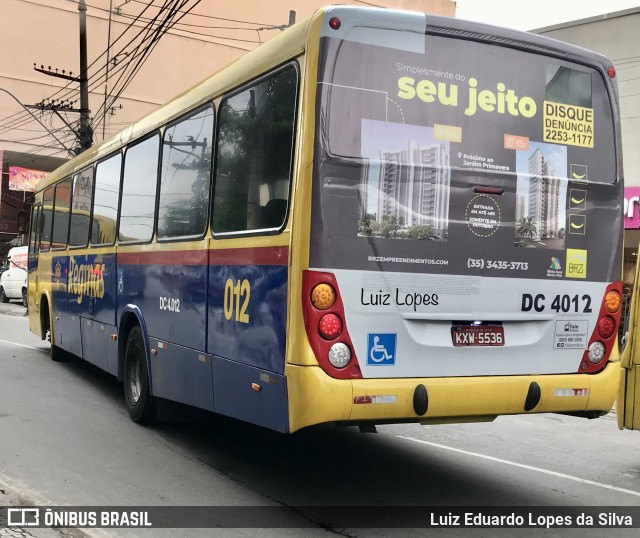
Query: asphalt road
{"x":66,"y":439}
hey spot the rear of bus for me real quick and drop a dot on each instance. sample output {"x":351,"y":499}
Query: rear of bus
{"x":465,"y":224}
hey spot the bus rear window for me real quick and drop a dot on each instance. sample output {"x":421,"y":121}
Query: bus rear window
{"x":483,"y":104}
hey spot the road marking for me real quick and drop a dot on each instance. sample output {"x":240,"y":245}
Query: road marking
{"x":523,"y":466}
{"x":22,"y":345}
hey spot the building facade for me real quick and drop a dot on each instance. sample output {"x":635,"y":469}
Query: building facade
{"x":415,"y":185}
{"x":130,"y":71}
{"x":616,"y":36}
{"x":544,"y":195}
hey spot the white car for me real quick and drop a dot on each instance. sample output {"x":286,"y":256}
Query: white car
{"x":13,"y":282}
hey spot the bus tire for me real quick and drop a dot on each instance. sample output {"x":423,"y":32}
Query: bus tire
{"x":140,"y":403}
{"x":3,"y":296}
{"x":57,"y":353}
{"x":25,"y":299}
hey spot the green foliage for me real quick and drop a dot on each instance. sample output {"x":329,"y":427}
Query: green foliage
{"x":393,"y":227}
{"x":525,"y":227}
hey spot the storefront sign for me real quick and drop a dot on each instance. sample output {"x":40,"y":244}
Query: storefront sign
{"x":24,"y":179}
{"x":632,"y":208}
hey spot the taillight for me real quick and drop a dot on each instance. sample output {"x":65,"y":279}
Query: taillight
{"x":604,"y":334}
{"x":606,"y":327}
{"x":330,"y":326}
{"x":323,"y":296}
{"x":612,"y":301}
{"x":324,"y":321}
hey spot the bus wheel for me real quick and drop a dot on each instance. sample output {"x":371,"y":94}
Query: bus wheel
{"x":3,"y":296}
{"x":25,"y":301}
{"x":57,"y":353}
{"x":137,"y":396}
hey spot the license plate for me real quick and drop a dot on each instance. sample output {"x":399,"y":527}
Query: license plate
{"x":477,"y":335}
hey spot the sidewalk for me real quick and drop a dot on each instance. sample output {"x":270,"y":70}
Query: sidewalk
{"x":12,"y":499}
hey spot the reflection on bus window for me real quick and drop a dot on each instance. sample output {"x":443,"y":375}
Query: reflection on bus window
{"x":81,"y":208}
{"x":105,"y":203}
{"x":45,"y":235}
{"x":139,"y":186}
{"x":61,"y":215}
{"x":186,"y":176}
{"x":255,"y":147}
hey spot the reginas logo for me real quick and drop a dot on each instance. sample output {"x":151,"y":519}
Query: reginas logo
{"x":576,"y":263}
{"x":86,"y":279}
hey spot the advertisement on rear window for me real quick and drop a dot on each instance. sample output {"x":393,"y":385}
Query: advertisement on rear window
{"x":441,"y":155}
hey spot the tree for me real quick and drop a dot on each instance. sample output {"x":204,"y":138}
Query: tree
{"x":419,"y":231}
{"x":525,"y":227}
{"x":366,"y":225}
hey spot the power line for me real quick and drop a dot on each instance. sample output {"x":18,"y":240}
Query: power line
{"x":159,"y":32}
{"x":191,"y":32}
{"x":212,"y":17}
{"x":140,"y":58}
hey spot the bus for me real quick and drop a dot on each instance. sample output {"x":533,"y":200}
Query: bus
{"x":376,"y":217}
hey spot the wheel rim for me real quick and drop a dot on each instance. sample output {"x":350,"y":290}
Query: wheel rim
{"x":135,"y":375}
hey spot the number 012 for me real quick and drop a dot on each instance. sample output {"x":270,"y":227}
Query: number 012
{"x":236,"y":300}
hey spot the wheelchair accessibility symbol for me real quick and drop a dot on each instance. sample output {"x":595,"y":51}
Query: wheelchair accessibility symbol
{"x":381,"y":349}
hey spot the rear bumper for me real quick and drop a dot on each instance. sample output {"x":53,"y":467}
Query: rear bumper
{"x":315,"y":398}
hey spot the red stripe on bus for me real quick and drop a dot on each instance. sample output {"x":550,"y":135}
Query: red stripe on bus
{"x":172,"y":257}
{"x":230,"y":256}
{"x":250,"y":256}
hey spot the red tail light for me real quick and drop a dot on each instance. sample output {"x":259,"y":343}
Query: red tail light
{"x":604,"y":333}
{"x":606,"y":327}
{"x":330,"y":326}
{"x":324,"y":321}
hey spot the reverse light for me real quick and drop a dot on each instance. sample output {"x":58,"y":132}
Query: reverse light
{"x":339,"y":355}
{"x":596,"y":352}
{"x":606,"y":327}
{"x":330,"y":326}
{"x":323,"y":296}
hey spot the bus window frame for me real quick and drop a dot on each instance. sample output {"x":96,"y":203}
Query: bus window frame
{"x":294,"y":154}
{"x":214,"y":139}
{"x":156,"y":132}
{"x":93,"y":197}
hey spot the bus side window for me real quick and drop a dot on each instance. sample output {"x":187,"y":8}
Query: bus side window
{"x":45,"y":223}
{"x":105,"y":201}
{"x":185,"y":178}
{"x":61,"y":215}
{"x":274,"y":212}
{"x":34,"y":229}
{"x":81,"y":208}
{"x":139,"y":188}
{"x":254,"y":154}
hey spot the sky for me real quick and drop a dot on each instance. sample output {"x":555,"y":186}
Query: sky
{"x":538,"y":13}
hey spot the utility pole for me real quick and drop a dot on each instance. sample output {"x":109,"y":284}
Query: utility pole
{"x":85,"y":131}
{"x":106,"y":76}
